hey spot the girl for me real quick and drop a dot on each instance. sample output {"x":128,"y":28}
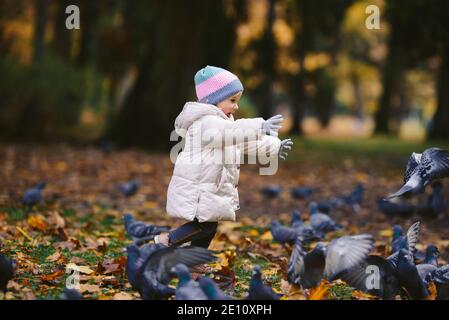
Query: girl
{"x":203,"y":188}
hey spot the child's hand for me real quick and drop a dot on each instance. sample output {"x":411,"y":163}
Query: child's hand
{"x":272,"y":125}
{"x":285,"y":146}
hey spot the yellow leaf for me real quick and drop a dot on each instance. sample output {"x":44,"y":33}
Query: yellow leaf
{"x":123,"y":296}
{"x":37,"y":222}
{"x":386,"y":233}
{"x":267,"y":236}
{"x":432,"y":291}
{"x":81,"y":269}
{"x":54,"y":257}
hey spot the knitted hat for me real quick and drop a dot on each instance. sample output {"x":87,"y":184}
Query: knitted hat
{"x":214,"y":85}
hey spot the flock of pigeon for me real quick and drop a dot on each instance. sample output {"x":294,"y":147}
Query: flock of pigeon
{"x":150,"y":267}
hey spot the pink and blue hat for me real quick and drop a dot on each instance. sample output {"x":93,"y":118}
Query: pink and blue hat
{"x":214,"y":85}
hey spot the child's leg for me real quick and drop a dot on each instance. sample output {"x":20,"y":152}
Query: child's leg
{"x":200,"y":234}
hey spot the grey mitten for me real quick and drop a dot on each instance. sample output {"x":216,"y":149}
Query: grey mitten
{"x":286,"y":145}
{"x":272,"y":125}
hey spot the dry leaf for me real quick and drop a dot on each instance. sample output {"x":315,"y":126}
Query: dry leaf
{"x":320,"y":292}
{"x":123,"y":296}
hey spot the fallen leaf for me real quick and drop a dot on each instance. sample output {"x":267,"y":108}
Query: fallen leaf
{"x":123,"y":296}
{"x":319,"y":292}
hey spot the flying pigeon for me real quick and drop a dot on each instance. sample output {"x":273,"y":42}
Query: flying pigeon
{"x":148,"y":267}
{"x":440,"y":277}
{"x":436,"y":203}
{"x":307,"y":269}
{"x":258,"y":290}
{"x":408,"y":241}
{"x":423,"y":168}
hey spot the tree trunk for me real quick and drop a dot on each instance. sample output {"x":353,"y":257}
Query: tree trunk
{"x":39,"y":28}
{"x":440,"y":122}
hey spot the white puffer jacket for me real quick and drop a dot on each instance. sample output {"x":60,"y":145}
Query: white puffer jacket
{"x":206,"y":173}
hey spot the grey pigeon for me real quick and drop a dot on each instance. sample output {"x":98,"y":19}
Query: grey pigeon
{"x":430,"y":263}
{"x":33,"y":195}
{"x":354,"y":199}
{"x":187,"y":289}
{"x":211,"y":289}
{"x":436,"y":203}
{"x":130,"y":188}
{"x":137,"y":229}
{"x":408,"y":241}
{"x":422,"y":169}
{"x":258,"y":290}
{"x":320,"y":221}
{"x":148,"y":267}
{"x":440,"y":277}
{"x":408,"y":276}
{"x":296,"y":220}
{"x":302,"y":192}
{"x":307,"y":269}
{"x":271,"y":192}
{"x":7,"y":267}
{"x":393,"y":208}
{"x":283,"y":234}
{"x":71,"y":294}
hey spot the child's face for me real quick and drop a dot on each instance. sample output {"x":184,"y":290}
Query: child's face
{"x":229,"y":106}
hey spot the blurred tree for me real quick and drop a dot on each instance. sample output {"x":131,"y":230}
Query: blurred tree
{"x":265,"y":64}
{"x":177,"y":43}
{"x":40,"y":21}
{"x":62,"y":41}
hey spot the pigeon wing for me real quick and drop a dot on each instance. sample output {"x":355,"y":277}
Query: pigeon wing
{"x":346,"y":252}
{"x":434,"y":164}
{"x":296,"y":263}
{"x":165,"y":259}
{"x":412,"y":164}
{"x":412,"y":237}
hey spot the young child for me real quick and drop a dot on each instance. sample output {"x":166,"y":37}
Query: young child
{"x":203,"y":188}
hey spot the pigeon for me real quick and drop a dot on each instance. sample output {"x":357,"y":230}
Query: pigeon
{"x":325,"y":206}
{"x":304,"y":230}
{"x":409,"y":278}
{"x":271,"y":192}
{"x":283,"y":234}
{"x":408,"y":241}
{"x":375,"y":275}
{"x":7,"y":267}
{"x":211,"y":290}
{"x":307,"y":269}
{"x":354,"y":199}
{"x":33,"y":195}
{"x":436,"y":203}
{"x":378,"y":275}
{"x":138,"y":230}
{"x":440,"y":277}
{"x":422,"y":169}
{"x":258,"y":290}
{"x":430,"y":262}
{"x":321,"y":221}
{"x":393,"y":208}
{"x":302,"y":192}
{"x":187,"y":289}
{"x":129,"y":188}
{"x":148,"y":267}
{"x":71,"y":294}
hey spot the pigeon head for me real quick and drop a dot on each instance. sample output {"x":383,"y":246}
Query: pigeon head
{"x":41,"y":185}
{"x":296,"y":215}
{"x":320,"y":247}
{"x":127,"y":218}
{"x":432,"y":251}
{"x":182,"y":272}
{"x":275,"y":223}
{"x":257,"y":272}
{"x":397,"y":231}
{"x":313,"y":207}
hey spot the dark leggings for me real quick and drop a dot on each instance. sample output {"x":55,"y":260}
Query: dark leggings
{"x":200,"y":234}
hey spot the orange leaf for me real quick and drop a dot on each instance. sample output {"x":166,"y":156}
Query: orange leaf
{"x":320,"y":292}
